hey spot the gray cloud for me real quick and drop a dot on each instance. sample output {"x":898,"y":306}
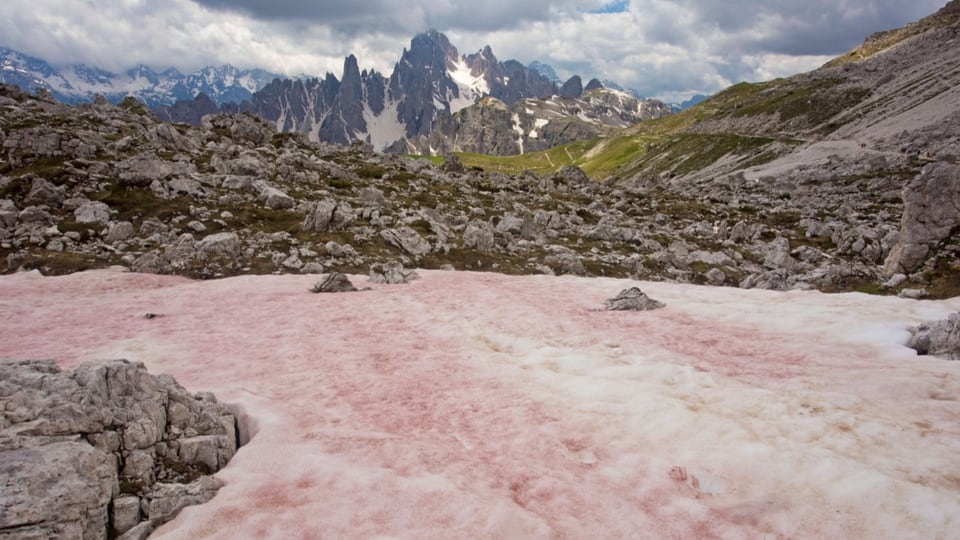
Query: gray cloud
{"x":405,"y":16}
{"x":663,"y":48}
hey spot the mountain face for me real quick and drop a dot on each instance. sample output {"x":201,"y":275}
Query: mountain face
{"x":79,"y":83}
{"x":430,"y":84}
{"x":530,"y":125}
{"x":437,"y":100}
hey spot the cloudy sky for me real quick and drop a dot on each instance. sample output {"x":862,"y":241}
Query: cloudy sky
{"x":669,"y":49}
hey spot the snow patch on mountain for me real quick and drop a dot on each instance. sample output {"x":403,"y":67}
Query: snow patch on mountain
{"x":472,"y":87}
{"x":383,"y":129}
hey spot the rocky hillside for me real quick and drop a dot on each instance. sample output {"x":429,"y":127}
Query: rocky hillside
{"x":839,"y":147}
{"x":530,"y":125}
{"x":98,"y":185}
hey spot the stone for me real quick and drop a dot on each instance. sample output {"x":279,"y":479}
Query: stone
{"x":572,"y":175}
{"x":119,"y":232}
{"x":44,"y":192}
{"x":407,"y":240}
{"x":452,"y":164}
{"x":144,"y":169}
{"x":225,"y":244}
{"x":56,"y":490}
{"x":391,"y":273}
{"x":274,"y":198}
{"x":92,"y":212}
{"x":479,"y":235}
{"x":716,"y":276}
{"x":931,"y":211}
{"x":632,"y":299}
{"x":913,"y":294}
{"x":565,"y":262}
{"x":328,"y":215}
{"x":79,"y":448}
{"x":334,"y":282}
{"x":312,"y":268}
{"x":164,"y":501}
{"x":372,"y":196}
{"x":937,"y":338}
{"x":126,"y":513}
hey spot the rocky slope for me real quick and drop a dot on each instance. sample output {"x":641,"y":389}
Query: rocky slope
{"x":80,"y":83}
{"x":98,"y":185}
{"x":530,"y":125}
{"x":104,"y":451}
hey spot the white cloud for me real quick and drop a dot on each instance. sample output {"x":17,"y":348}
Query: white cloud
{"x":664,"y":48}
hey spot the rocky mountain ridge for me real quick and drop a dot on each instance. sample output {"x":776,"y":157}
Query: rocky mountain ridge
{"x":418,"y":108}
{"x":79,"y":83}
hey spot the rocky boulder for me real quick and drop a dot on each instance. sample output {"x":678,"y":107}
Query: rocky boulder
{"x":92,"y":212}
{"x":391,"y":273}
{"x":937,"y":338}
{"x":85,"y":453}
{"x":328,"y":215}
{"x":632,"y":299}
{"x":931,"y":213}
{"x":334,"y":282}
{"x":407,"y":240}
{"x":225,"y":244}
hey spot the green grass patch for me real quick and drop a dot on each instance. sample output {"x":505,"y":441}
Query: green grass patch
{"x":133,"y":203}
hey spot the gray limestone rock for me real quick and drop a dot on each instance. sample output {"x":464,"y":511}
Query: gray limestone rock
{"x":119,"y":231}
{"x":333,"y":283}
{"x":931,"y":211}
{"x":392,"y":273}
{"x":407,"y":240}
{"x":479,"y":235}
{"x":937,"y":338}
{"x":44,"y":192}
{"x":92,"y":212}
{"x":80,"y":450}
{"x":144,"y":169}
{"x":632,"y":299}
{"x":328,"y":215}
{"x":226,"y":244}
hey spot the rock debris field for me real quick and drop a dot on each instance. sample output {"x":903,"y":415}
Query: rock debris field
{"x":480,"y":405}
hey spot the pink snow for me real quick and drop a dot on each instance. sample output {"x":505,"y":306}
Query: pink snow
{"x":477,"y":405}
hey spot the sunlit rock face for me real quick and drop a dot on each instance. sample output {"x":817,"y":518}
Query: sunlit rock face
{"x":480,"y":405}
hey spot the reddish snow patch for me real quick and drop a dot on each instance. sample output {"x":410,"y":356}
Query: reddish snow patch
{"x":479,"y":405}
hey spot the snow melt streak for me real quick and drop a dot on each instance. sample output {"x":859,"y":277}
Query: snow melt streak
{"x":479,"y":405}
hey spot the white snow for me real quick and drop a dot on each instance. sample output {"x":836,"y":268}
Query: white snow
{"x":472,"y":87}
{"x":468,"y":405}
{"x":537,"y":124}
{"x":383,"y":129}
{"x":518,"y":129}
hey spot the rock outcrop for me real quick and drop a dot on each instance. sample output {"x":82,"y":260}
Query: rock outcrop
{"x":333,"y":283}
{"x":104,"y":451}
{"x":937,"y":338}
{"x":632,"y":299}
{"x":391,"y":273}
{"x":931,"y":214}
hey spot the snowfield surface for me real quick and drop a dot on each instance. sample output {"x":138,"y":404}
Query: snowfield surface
{"x":474,"y":405}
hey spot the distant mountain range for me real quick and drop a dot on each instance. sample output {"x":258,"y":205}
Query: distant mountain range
{"x":80,"y":83}
{"x":428,"y":104}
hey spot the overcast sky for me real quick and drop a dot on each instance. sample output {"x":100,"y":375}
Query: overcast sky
{"x":669,"y":49}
